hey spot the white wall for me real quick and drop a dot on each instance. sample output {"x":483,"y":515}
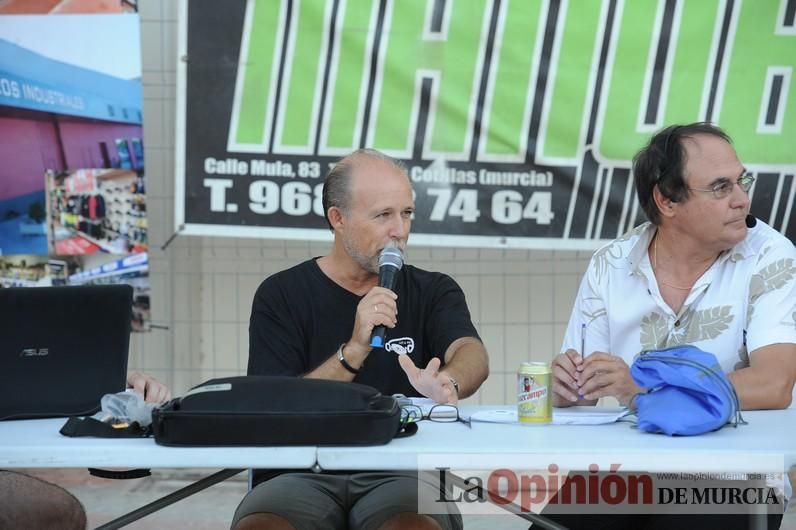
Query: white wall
{"x":202,"y":287}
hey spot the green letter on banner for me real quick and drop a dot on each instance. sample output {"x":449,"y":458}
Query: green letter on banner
{"x":690,"y":78}
{"x":456,"y":60}
{"x":511,"y":68}
{"x":349,"y":60}
{"x":756,"y":49}
{"x":570,"y":79}
{"x":624,"y":126}
{"x":301,"y":87}
{"x":619,"y":137}
{"x":261,"y":33}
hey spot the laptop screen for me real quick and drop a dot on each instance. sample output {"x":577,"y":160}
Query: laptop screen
{"x":62,"y":348}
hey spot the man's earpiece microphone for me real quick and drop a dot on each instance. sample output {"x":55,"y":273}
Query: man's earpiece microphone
{"x":390,"y":262}
{"x":750,"y":221}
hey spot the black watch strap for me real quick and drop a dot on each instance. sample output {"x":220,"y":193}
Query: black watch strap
{"x":341,"y":358}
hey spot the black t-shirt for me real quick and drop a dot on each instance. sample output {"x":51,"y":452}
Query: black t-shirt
{"x":300,"y":317}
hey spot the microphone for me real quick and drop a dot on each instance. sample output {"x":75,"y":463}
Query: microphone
{"x":750,"y":221}
{"x":390,"y":262}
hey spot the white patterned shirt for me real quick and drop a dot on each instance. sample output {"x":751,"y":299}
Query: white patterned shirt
{"x":744,"y":301}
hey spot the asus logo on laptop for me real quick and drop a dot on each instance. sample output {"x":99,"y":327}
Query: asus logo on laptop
{"x":35,"y":352}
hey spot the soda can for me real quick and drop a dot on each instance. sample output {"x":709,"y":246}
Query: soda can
{"x":534,"y":401}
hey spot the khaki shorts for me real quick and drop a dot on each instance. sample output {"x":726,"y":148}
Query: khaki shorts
{"x":360,"y":501}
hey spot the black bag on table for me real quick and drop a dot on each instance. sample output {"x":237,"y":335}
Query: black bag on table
{"x":275,"y":410}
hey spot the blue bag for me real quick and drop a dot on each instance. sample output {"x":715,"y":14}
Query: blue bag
{"x":688,"y":394}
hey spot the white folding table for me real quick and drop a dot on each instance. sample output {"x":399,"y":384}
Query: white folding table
{"x":769,"y":437}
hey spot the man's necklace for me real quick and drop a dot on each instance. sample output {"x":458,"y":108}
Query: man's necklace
{"x":655,"y":268}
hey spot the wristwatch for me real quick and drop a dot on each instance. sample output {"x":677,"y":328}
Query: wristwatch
{"x":341,"y":358}
{"x":455,"y":384}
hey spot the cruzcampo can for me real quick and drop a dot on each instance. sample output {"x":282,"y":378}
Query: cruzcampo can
{"x":534,"y":403}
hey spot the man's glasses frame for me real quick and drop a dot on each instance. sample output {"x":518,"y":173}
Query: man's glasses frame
{"x":442,"y":413}
{"x":722,"y":188}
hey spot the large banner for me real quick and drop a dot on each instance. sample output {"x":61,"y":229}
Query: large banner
{"x":517,"y":119}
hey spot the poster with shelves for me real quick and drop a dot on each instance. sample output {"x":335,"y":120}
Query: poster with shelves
{"x":97,"y":210}
{"x":72,"y":191}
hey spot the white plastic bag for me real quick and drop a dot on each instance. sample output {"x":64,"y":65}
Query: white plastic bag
{"x":127,"y":407}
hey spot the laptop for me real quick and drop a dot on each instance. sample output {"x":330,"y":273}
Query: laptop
{"x":62,"y":348}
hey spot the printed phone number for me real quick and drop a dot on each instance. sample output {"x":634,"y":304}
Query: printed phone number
{"x":300,"y":198}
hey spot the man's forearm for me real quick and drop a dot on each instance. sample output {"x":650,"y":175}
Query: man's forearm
{"x":467,"y":362}
{"x":758,"y":390}
{"x":332,"y":368}
{"x":768,"y":381}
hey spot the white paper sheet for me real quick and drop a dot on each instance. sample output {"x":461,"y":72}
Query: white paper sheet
{"x":564,"y":416}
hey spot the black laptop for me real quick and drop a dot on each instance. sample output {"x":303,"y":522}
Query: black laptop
{"x":62,"y":348}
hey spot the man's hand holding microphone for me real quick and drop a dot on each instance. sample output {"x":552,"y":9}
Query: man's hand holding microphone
{"x":378,"y":311}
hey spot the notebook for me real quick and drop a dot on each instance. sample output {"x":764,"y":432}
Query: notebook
{"x":62,"y":348}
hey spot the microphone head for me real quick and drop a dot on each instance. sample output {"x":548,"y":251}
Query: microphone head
{"x":391,"y":256}
{"x":750,"y":221}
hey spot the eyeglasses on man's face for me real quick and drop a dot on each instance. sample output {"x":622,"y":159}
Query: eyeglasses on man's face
{"x":723,"y":187}
{"x":438,"y":413}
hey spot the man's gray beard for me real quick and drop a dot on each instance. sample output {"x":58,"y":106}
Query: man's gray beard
{"x":368,"y":263}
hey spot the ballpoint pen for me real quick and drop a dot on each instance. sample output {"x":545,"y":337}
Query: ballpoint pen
{"x":583,"y":340}
{"x":582,"y":348}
